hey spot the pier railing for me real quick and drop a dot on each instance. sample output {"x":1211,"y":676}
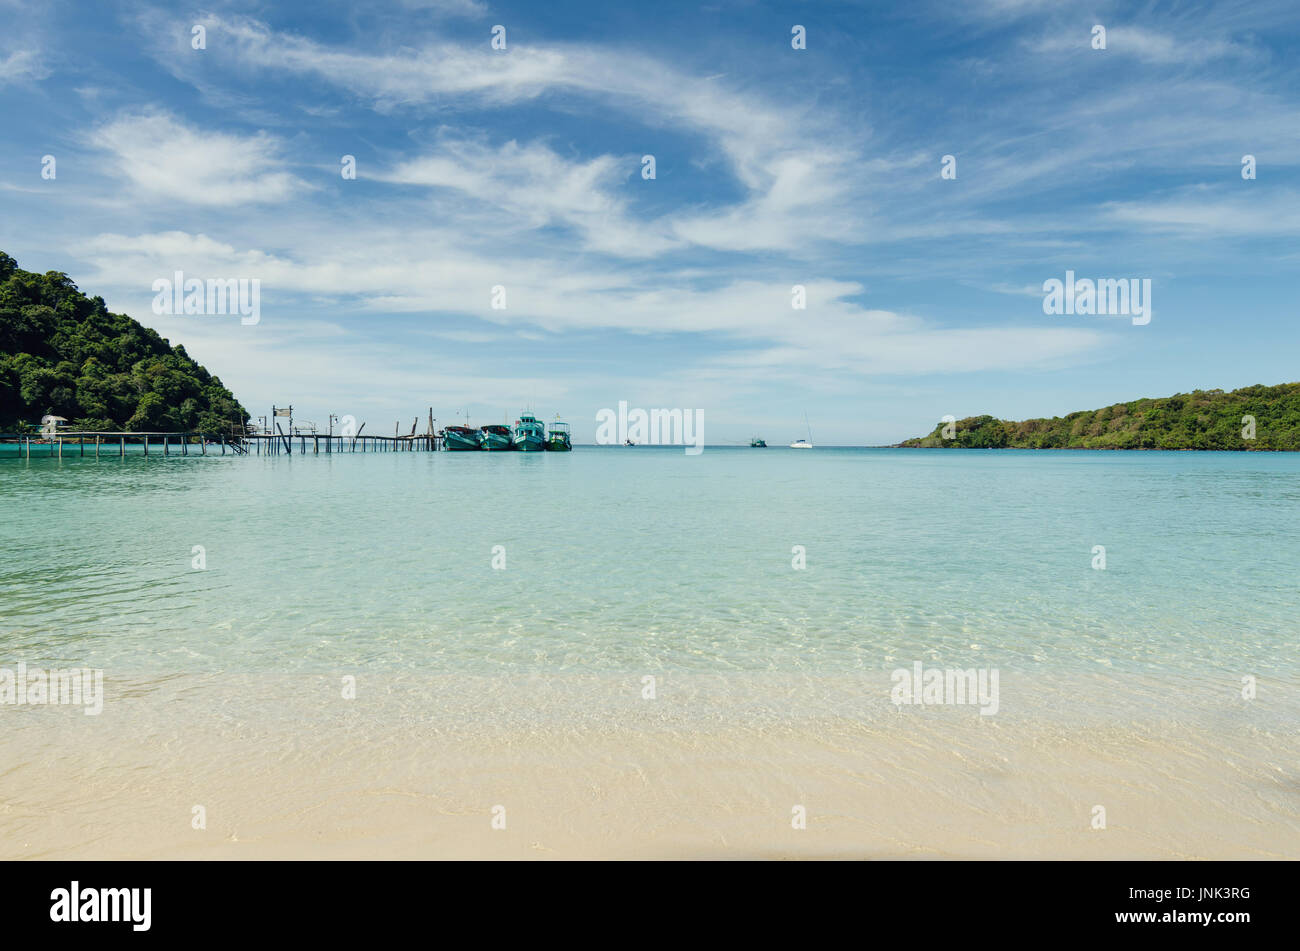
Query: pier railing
{"x":200,"y":443}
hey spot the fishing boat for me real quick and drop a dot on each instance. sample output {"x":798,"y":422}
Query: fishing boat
{"x":804,"y":443}
{"x":461,"y":439}
{"x":757,"y":443}
{"x":530,"y":434}
{"x":558,"y":438}
{"x":497,"y":437}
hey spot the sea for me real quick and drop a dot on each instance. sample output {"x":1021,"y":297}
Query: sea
{"x":1117,"y":601}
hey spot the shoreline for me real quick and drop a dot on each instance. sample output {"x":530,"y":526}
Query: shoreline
{"x":585,"y":769}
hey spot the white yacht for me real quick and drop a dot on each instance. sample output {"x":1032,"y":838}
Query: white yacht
{"x":803,"y":443}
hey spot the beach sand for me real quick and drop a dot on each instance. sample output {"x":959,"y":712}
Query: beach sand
{"x":586,"y":768}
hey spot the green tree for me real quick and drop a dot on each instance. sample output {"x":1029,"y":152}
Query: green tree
{"x":64,"y":353}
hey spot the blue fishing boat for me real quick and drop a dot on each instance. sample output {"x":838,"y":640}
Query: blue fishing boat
{"x":530,"y":434}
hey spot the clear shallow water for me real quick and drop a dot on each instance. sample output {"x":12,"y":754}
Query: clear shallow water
{"x":524,"y":686}
{"x":648,"y":560}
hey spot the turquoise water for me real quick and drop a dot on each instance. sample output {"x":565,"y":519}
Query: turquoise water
{"x":646,"y":560}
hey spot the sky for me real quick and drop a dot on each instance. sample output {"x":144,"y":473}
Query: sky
{"x":523,"y":168}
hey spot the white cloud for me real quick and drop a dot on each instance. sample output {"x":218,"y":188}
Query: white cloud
{"x":1150,"y":46}
{"x":23,"y":64}
{"x":835,"y":332}
{"x":166,"y":159}
{"x":795,"y":164}
{"x":1201,"y":212}
{"x":458,"y":8}
{"x":531,"y":187}
{"x":788,"y":211}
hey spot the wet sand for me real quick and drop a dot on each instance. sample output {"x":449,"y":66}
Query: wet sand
{"x":412,"y":768}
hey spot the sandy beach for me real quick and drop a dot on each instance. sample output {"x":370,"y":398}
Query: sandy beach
{"x":584,"y":768}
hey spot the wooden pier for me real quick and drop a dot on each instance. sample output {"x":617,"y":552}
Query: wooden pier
{"x":201,"y":444}
{"x":115,"y":443}
{"x":238,"y":440}
{"x":318,"y":443}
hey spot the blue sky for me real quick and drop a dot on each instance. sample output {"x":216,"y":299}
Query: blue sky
{"x":774,"y":167}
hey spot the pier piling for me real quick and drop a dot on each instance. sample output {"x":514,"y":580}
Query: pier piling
{"x":268,"y":442}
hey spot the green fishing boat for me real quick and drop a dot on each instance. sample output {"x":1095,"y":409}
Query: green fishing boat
{"x":530,"y":434}
{"x":497,"y":438}
{"x":757,"y":443}
{"x":558,"y":439}
{"x":461,"y":439}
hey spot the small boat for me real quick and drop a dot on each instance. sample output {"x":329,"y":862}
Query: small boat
{"x":628,"y":442}
{"x":461,"y":439}
{"x":757,"y":443}
{"x":530,"y":435}
{"x":804,"y":443}
{"x":558,"y":439}
{"x":497,"y":437}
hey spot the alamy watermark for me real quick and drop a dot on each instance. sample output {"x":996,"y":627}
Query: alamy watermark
{"x":1104,"y":297}
{"x":78,"y":903}
{"x":79,"y":686}
{"x":214,"y":297}
{"x":924,"y":687}
{"x":656,"y":427}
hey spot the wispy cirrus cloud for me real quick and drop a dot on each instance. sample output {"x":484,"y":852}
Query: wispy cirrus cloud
{"x":22,"y":65}
{"x":793,"y":164}
{"x":1201,"y":211}
{"x":520,"y":168}
{"x":525,"y":187}
{"x":451,"y":8}
{"x":835,"y":331}
{"x":1142,"y":43}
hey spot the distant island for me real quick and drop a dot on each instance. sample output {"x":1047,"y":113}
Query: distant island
{"x":1253,"y":417}
{"x":63,"y":354}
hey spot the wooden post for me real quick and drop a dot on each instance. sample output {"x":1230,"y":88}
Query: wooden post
{"x":97,"y":439}
{"x":121,"y":444}
{"x":146,"y":445}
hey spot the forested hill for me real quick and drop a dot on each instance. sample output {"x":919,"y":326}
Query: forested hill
{"x":63,"y":353}
{"x":1202,"y":419}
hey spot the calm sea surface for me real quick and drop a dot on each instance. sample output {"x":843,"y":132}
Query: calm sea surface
{"x":649,"y":560}
{"x":231,"y":686}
